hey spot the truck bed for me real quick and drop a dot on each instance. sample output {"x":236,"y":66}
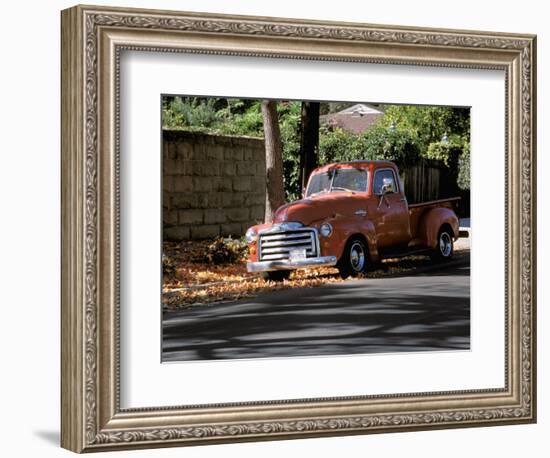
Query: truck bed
{"x":417,"y":210}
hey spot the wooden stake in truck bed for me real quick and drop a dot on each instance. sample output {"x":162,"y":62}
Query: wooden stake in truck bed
{"x":353,"y":214}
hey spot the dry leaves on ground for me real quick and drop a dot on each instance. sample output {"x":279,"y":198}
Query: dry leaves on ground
{"x":189,"y":282}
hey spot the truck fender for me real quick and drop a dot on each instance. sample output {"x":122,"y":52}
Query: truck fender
{"x":343,"y":230}
{"x":368,"y":230}
{"x":431,"y":222}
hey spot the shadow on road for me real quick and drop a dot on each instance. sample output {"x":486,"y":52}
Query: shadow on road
{"x":418,"y":313}
{"x":458,"y":271}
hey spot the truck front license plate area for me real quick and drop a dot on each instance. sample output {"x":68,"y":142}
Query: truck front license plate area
{"x":297,"y":255}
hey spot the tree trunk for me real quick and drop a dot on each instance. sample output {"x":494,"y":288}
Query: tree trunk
{"x":309,"y":141}
{"x":274,"y":197}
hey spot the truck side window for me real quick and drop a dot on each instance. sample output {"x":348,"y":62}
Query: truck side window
{"x":379,"y":177}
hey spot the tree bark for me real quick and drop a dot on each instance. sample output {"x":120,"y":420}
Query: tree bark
{"x":273,"y":160}
{"x":309,"y":141}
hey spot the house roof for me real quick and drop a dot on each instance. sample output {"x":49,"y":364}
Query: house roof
{"x":355,"y":119}
{"x":361,"y":109}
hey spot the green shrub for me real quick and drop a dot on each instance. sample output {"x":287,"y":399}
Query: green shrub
{"x":427,"y":124}
{"x":337,"y":145}
{"x":463,"y":179}
{"x":225,"y":251}
{"x":248,"y":122}
{"x":191,"y":112}
{"x":447,"y":153}
{"x":289,"y":123}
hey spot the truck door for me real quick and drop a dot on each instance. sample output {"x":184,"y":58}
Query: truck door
{"x":390,"y":209}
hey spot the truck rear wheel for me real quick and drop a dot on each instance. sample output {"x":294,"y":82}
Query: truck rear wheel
{"x":444,"y":249}
{"x":276,"y":275}
{"x":354,"y":259}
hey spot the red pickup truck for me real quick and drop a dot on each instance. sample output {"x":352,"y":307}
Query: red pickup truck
{"x":352,"y":215}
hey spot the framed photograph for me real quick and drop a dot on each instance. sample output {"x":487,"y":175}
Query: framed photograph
{"x":278,"y":228}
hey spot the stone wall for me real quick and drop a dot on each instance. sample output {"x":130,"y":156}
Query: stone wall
{"x":212,"y":184}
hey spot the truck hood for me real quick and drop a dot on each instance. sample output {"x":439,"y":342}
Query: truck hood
{"x":323,"y":206}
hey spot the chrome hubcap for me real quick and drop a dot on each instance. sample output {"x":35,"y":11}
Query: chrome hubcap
{"x":445,"y":244}
{"x":357,"y":257}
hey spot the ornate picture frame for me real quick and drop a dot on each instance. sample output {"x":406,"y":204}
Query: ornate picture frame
{"x":92,"y":40}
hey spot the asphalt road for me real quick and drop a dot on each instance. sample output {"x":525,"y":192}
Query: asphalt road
{"x":421,"y":312}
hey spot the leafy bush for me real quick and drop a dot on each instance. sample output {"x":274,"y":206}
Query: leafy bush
{"x":336,"y":145}
{"x":289,"y":123}
{"x":225,"y":251}
{"x":463,"y":179}
{"x":428,"y":124}
{"x":248,"y":122}
{"x":190,"y":112}
{"x":447,"y":153}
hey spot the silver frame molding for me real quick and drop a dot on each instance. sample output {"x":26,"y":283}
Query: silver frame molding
{"x":92,"y":39}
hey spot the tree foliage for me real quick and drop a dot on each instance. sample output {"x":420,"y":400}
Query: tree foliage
{"x":428,"y":124}
{"x":191,"y":112}
{"x":377,"y":143}
{"x":463,"y":179}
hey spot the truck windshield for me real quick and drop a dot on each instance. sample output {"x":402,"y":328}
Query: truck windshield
{"x":337,"y":181}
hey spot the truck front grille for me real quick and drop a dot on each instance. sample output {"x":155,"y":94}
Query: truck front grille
{"x":278,"y":245}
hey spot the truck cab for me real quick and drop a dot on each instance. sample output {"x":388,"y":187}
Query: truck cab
{"x":352,"y":215}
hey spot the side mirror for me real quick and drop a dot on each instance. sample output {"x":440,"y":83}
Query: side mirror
{"x":387,"y":186}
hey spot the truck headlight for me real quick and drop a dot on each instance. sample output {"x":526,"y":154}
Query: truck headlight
{"x":325,"y":230}
{"x":251,"y":235}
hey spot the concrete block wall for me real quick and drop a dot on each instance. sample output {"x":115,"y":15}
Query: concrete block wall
{"x":212,"y":184}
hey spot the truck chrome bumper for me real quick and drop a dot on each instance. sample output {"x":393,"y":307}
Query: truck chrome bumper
{"x":264,"y":266}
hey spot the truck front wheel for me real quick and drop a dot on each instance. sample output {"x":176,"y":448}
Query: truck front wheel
{"x":354,"y":259}
{"x":444,"y":249}
{"x":276,"y":275}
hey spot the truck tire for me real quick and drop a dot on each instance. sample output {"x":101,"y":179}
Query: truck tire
{"x":444,"y":248}
{"x":276,"y":275}
{"x":354,"y":259}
